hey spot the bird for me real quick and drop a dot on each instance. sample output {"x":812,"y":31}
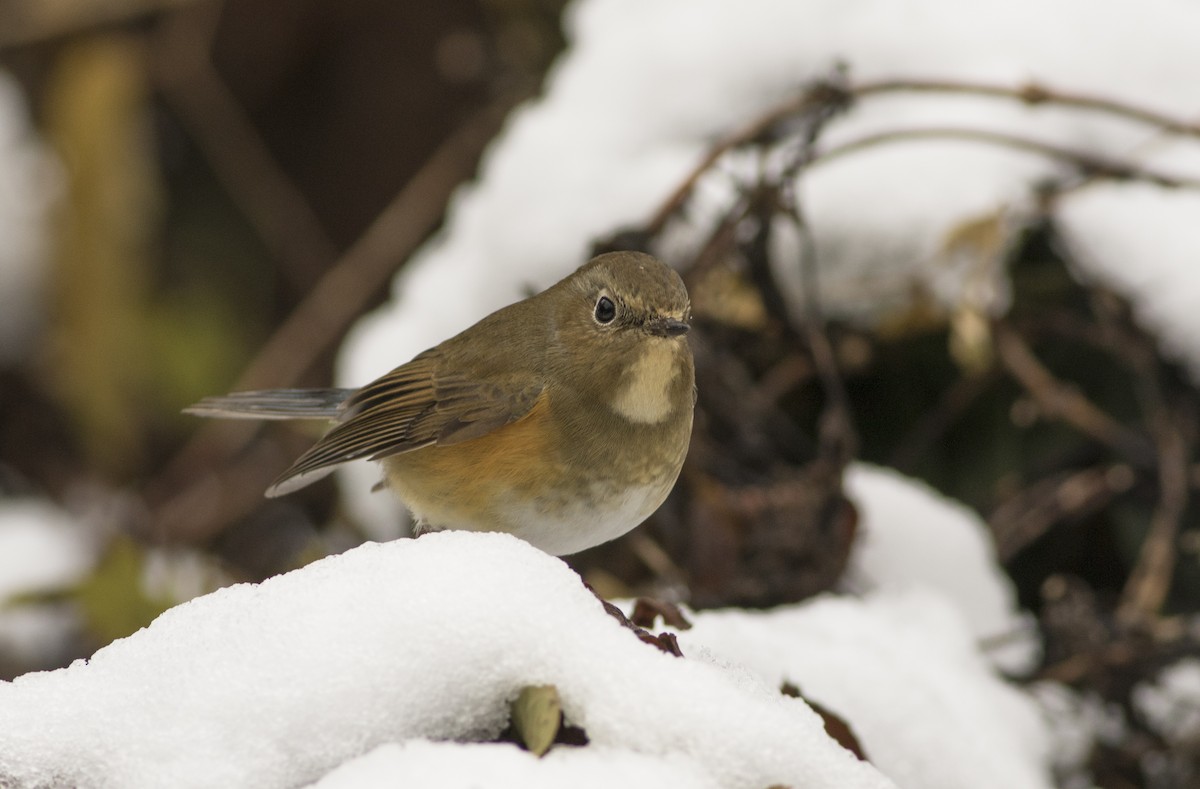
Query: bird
{"x":563,"y":419}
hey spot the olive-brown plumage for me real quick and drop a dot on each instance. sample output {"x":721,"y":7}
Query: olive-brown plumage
{"x":563,"y":419}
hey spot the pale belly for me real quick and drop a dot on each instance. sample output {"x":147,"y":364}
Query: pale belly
{"x":580,"y":524}
{"x":551,"y":514}
{"x":510,"y":481}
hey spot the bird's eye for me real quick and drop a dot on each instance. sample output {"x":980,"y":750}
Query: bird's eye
{"x":606,"y":311}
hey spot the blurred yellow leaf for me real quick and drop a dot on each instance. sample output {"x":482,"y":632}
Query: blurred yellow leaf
{"x":97,"y":120}
{"x":979,"y":245}
{"x":113,"y":599}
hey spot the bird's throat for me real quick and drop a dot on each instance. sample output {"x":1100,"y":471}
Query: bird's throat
{"x":644,"y":393}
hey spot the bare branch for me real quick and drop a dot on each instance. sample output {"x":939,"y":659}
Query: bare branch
{"x":1057,"y":400}
{"x":1033,"y":94}
{"x":1091,"y":164}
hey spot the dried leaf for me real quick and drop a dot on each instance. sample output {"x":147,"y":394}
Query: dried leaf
{"x":978,"y":246}
{"x":835,"y":726}
{"x":647,"y":610}
{"x":537,"y":715}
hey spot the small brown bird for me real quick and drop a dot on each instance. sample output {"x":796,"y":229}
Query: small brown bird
{"x":563,"y":419}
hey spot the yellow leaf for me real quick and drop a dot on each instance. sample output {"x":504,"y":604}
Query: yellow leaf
{"x":97,"y":119}
{"x":537,"y":715}
{"x":113,"y":599}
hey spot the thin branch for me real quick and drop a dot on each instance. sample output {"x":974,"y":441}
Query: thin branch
{"x":839,"y":438}
{"x":834,"y":94}
{"x":240,"y":159}
{"x":1092,"y":164}
{"x":1058,"y":400}
{"x":1024,"y":517}
{"x":821,"y":94}
{"x":1034,"y":94}
{"x":1148,"y":584}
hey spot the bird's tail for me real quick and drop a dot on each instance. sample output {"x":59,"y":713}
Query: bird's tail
{"x":274,"y":404}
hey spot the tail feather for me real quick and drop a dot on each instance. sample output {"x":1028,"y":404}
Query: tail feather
{"x":274,"y":404}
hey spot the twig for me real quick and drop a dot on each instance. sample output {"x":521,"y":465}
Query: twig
{"x":838,"y":437}
{"x":1173,"y":427}
{"x":1035,"y":94}
{"x":1023,"y":518}
{"x":1091,"y":164}
{"x":1057,"y":400}
{"x":240,"y":159}
{"x":821,"y":93}
{"x":834,"y":94}
{"x":1147,"y":586}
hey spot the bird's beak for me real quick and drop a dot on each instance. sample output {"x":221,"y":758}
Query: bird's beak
{"x":667,"y":327}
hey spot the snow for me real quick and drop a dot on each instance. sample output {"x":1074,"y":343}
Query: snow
{"x":1142,"y":241}
{"x":903,"y":670}
{"x":385,"y":665}
{"x":645,"y":89}
{"x":42,"y":548}
{"x":310,"y":676}
{"x":1075,"y":723}
{"x":1172,"y":703}
{"x":911,"y":537}
{"x":278,"y":683}
{"x":433,"y":764}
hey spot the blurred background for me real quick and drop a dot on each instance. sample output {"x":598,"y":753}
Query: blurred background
{"x":198,"y":197}
{"x":177,"y":179}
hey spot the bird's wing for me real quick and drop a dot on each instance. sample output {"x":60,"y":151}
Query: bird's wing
{"x":413,"y":406}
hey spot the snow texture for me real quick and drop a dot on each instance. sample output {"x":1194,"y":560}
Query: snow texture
{"x":911,"y":537}
{"x":278,"y":683}
{"x":644,"y":90}
{"x":903,"y":670}
{"x":433,"y":764}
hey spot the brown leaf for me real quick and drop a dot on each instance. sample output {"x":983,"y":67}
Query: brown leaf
{"x":647,"y":610}
{"x":835,"y":726}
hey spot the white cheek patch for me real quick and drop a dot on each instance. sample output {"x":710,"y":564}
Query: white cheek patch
{"x":644,"y":394}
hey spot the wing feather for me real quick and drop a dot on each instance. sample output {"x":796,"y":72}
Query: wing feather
{"x":414,"y":406}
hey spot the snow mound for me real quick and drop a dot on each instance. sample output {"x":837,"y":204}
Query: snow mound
{"x":904,"y":672}
{"x":911,"y":537}
{"x":278,"y":683}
